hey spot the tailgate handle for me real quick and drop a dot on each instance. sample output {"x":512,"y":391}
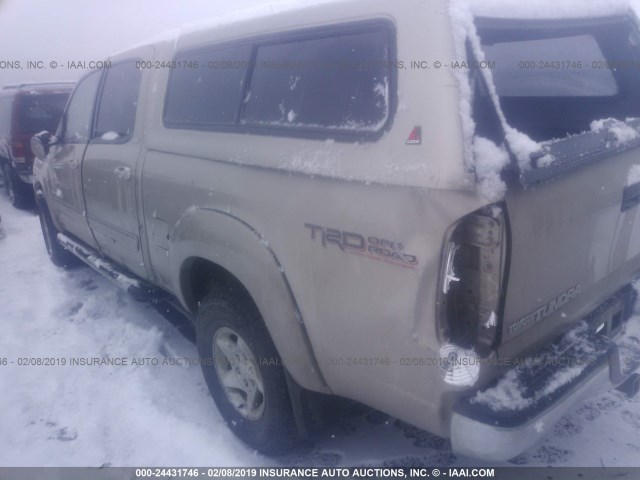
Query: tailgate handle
{"x":630,"y":197}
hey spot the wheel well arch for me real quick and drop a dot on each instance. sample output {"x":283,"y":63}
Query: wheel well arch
{"x":198,"y":275}
{"x":208,"y":247}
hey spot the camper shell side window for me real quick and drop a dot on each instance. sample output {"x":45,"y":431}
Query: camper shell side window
{"x":331,"y":82}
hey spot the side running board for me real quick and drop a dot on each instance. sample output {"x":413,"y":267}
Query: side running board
{"x":139,"y":289}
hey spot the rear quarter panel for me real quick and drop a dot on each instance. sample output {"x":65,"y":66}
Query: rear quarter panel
{"x":199,"y":190}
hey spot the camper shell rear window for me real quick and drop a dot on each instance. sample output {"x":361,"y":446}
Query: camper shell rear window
{"x":554,"y":77}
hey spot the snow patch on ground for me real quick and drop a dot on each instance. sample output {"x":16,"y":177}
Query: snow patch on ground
{"x":79,"y":415}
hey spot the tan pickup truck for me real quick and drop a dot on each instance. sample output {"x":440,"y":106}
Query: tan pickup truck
{"x":415,"y":205}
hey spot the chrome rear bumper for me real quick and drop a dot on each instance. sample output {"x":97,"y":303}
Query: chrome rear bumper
{"x":502,"y":421}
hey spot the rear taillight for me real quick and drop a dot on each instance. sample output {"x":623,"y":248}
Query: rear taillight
{"x":18,"y":152}
{"x":472,"y":280}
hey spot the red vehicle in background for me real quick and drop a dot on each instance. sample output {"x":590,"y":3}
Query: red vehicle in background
{"x":25,"y":110}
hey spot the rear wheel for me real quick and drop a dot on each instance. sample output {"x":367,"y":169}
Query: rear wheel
{"x":244,"y":372}
{"x":19,"y":193}
{"x":58,"y":255}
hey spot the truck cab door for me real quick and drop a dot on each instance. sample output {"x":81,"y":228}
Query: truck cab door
{"x":109,"y":170}
{"x":65,"y":159}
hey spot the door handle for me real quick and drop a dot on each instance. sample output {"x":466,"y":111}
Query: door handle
{"x":122,"y":173}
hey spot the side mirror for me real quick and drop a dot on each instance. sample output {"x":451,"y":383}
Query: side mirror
{"x":40,"y":144}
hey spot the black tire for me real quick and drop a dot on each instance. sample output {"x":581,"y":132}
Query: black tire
{"x":227,"y":310}
{"x":20,"y":194}
{"x":58,"y":255}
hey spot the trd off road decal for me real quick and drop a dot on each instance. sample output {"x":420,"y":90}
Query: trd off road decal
{"x":371,"y":247}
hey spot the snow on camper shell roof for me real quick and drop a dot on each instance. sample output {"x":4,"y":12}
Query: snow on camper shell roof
{"x":263,"y":11}
{"x":276,"y":15}
{"x":533,"y":9}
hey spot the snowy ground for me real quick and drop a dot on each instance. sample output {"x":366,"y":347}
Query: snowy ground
{"x":136,"y":415}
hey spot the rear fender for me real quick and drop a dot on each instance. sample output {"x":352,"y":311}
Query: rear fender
{"x":234,"y":245}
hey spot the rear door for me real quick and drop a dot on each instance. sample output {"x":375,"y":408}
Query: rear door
{"x":109,"y":169}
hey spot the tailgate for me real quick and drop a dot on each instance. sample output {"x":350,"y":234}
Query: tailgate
{"x":575,"y":240}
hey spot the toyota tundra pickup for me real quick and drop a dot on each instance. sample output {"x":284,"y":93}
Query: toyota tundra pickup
{"x":425,"y":207}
